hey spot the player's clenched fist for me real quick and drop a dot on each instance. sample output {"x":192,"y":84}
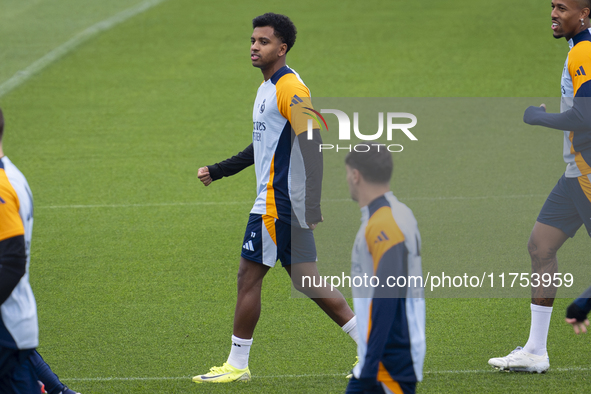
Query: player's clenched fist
{"x":203,"y":175}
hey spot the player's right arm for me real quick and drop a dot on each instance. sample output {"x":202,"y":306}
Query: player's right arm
{"x":228,"y":167}
{"x":578,"y":118}
{"x":576,"y":313}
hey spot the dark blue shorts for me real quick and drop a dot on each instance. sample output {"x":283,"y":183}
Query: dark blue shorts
{"x":569,"y":205}
{"x":267,"y":240}
{"x":17,"y":374}
{"x":355,"y":387}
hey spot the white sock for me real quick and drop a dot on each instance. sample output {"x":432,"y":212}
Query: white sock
{"x":538,"y":332}
{"x":351,"y":328}
{"x":238,"y":357}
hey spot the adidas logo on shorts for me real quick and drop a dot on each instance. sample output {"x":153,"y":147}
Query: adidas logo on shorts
{"x":248,"y":246}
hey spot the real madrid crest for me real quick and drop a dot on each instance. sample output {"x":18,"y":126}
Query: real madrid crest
{"x":262,"y":109}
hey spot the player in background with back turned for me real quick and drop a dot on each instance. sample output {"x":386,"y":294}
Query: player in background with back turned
{"x":391,"y":320}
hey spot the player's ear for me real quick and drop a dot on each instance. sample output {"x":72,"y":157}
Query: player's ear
{"x":282,"y":49}
{"x":356,"y":175}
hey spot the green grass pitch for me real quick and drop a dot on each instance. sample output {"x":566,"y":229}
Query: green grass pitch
{"x":134,"y":262}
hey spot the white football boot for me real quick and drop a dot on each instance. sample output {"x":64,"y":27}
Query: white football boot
{"x":521,"y":361}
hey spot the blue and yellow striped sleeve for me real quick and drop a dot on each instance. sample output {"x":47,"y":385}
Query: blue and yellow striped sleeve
{"x":385,"y":242}
{"x":11,"y":224}
{"x":579,"y":68}
{"x":294,"y":103}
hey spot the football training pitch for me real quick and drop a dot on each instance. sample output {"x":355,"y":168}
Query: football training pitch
{"x":112,"y":106}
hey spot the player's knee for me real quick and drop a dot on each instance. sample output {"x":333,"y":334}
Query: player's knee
{"x":541,"y":253}
{"x":240,"y":277}
{"x":532,"y":248}
{"x":246,"y":278}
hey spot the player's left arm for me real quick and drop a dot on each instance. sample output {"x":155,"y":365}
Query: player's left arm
{"x":386,"y":244}
{"x":13,"y":254}
{"x":13,"y":263}
{"x":297,"y":111}
{"x":578,"y":118}
{"x":313,"y":163}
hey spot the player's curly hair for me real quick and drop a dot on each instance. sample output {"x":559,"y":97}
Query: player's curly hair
{"x":375,"y":165}
{"x":283,"y":27}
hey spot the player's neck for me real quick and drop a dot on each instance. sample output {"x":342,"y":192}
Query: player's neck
{"x":1,"y":151}
{"x":268,"y":72}
{"x":579,"y":31}
{"x":371,"y":191}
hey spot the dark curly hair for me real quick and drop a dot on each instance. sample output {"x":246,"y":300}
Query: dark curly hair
{"x":284,"y":28}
